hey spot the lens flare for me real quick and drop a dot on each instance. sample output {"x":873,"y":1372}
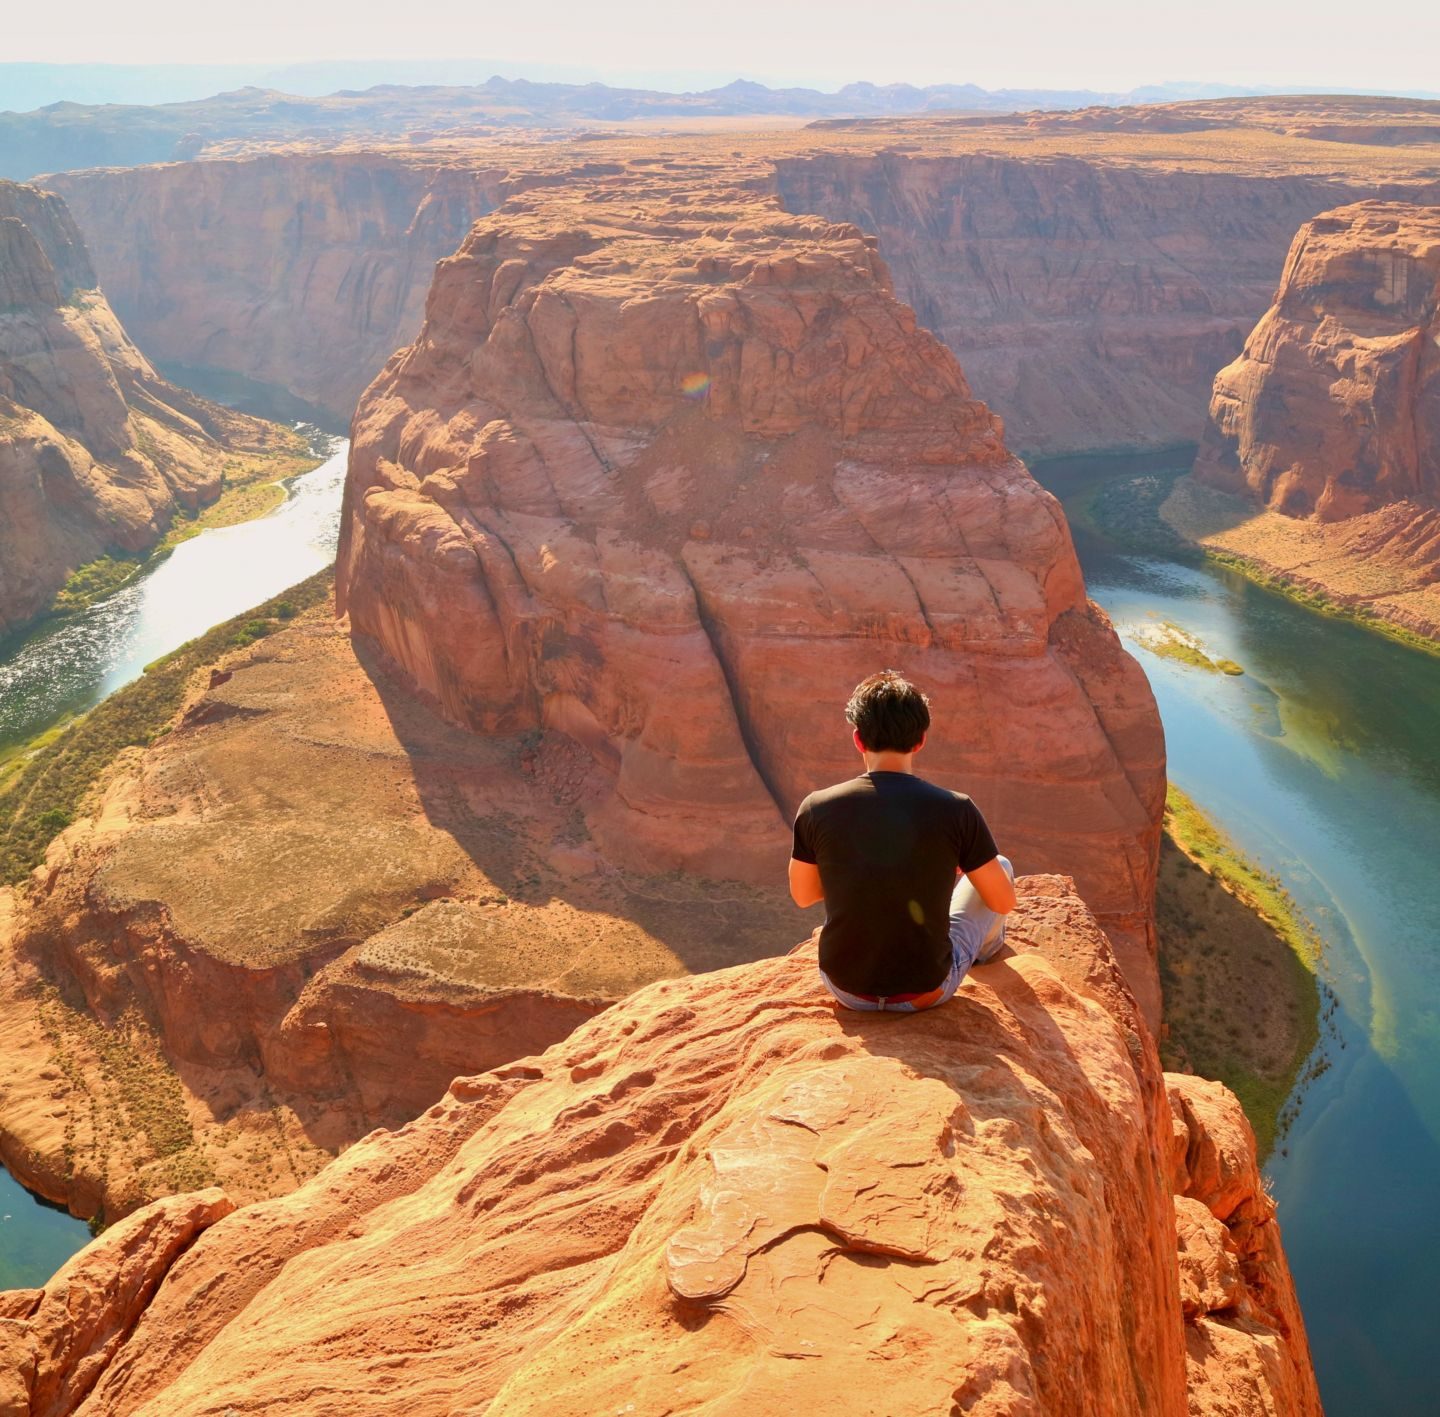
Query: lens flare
{"x":695,"y":386}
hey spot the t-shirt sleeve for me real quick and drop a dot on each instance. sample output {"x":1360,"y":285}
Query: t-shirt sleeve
{"x":804,"y":848}
{"x":974,"y":845}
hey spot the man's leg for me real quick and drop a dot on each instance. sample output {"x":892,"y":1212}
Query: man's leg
{"x":977,"y":933}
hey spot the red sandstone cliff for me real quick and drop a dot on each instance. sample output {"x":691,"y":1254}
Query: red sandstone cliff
{"x":724,"y":1195}
{"x":96,"y":451}
{"x":1089,"y":296}
{"x":668,"y":471}
{"x":1331,"y":416}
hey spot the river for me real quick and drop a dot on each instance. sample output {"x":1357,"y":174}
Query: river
{"x":69,"y":665}
{"x":1323,"y":763}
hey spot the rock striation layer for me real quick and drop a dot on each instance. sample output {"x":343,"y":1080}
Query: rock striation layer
{"x":302,"y":272}
{"x":668,"y":471}
{"x":724,"y":1195}
{"x":1331,"y":416}
{"x":1089,"y":298}
{"x":96,"y":451}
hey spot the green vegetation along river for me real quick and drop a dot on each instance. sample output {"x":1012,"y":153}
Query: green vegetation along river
{"x":1322,"y":762}
{"x":67,"y":666}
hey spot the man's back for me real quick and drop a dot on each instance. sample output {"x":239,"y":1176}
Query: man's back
{"x":888,"y":845}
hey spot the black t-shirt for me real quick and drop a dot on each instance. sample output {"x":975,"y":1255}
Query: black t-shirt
{"x":888,"y":845}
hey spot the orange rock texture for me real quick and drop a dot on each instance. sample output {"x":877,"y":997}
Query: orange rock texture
{"x":669,"y":471}
{"x":96,"y":451}
{"x":1333,"y":409}
{"x":1332,"y":414}
{"x":724,"y":1195}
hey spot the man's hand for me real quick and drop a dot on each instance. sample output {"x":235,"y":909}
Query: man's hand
{"x":991,"y":883}
{"x":805,"y":888}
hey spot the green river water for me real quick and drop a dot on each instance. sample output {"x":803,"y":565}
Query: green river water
{"x":69,"y":665}
{"x":1323,"y":763}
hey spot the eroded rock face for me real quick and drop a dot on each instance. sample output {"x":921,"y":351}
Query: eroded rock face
{"x":1331,"y":418}
{"x":1245,"y":1339}
{"x":669,"y":471}
{"x":96,"y":451}
{"x":726,"y":1195}
{"x":56,"y":1342}
{"x":1090,"y":299}
{"x":1333,"y":409}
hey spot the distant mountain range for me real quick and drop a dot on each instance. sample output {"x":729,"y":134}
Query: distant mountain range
{"x":29,"y":86}
{"x":66,"y":135}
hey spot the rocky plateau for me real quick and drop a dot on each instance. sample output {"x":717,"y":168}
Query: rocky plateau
{"x":726,"y":1195}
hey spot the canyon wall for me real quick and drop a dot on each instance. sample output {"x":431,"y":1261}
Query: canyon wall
{"x":723,"y":1195}
{"x":1089,"y":299}
{"x":669,"y":471}
{"x":1090,"y":276}
{"x":96,"y":451}
{"x":305,"y":272}
{"x":1330,"y":417}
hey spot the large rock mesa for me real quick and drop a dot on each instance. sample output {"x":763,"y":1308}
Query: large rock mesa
{"x":671,"y":471}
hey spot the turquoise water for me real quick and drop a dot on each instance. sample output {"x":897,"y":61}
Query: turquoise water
{"x":35,"y":1238}
{"x":69,"y":666}
{"x":1323,"y":763}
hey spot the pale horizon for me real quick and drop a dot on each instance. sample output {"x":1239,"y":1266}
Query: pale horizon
{"x":1108,"y":46}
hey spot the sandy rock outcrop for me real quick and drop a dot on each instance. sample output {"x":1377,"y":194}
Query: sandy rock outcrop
{"x":96,"y":451}
{"x":56,"y":1342}
{"x":1245,"y":1337}
{"x":669,"y":471}
{"x":1331,"y":417}
{"x":725,"y":1195}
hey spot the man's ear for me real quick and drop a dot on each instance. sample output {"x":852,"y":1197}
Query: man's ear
{"x":859,"y":745}
{"x":920,"y":744}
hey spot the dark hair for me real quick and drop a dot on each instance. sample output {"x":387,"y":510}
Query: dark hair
{"x":890,"y":714}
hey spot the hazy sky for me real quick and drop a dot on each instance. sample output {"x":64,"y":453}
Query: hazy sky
{"x":1102,"y":44}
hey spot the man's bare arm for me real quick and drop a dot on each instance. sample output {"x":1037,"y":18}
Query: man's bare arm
{"x":805,"y":888}
{"x":992,"y":884}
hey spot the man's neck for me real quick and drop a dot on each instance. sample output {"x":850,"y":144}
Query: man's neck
{"x":890,"y":762}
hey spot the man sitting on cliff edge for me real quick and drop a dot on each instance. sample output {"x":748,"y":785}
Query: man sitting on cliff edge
{"x":884,"y":851}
